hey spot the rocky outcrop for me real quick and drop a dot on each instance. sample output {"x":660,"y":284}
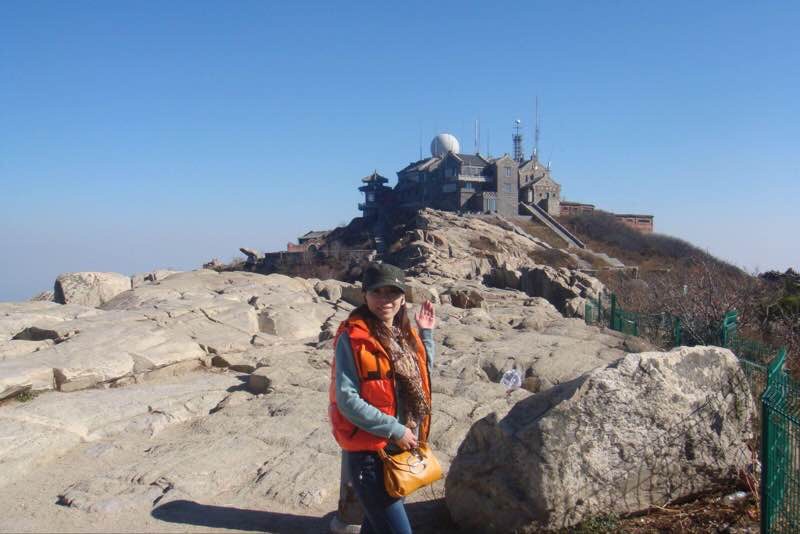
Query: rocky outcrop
{"x":252,"y":255}
{"x":417,"y":293}
{"x":35,"y":433}
{"x":650,"y":429}
{"x":465,"y":297}
{"x":330,"y":289}
{"x":493,"y":250}
{"x":566,"y":289}
{"x":451,"y":246}
{"x":153,"y":276}
{"x":46,"y":296}
{"x":186,"y":316}
{"x":89,"y":288}
{"x":161,"y":383}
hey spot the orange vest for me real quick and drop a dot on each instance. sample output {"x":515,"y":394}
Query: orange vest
{"x":376,"y":386}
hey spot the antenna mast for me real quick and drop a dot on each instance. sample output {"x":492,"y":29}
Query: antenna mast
{"x":536,"y":132}
{"x":517,"y":140}
{"x":477,"y":138}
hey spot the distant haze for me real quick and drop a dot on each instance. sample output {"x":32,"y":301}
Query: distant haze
{"x":136,"y":136}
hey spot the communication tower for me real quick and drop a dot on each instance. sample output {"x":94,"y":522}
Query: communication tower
{"x":517,"y":139}
{"x":536,"y":132}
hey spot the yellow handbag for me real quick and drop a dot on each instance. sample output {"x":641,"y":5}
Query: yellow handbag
{"x":407,"y":471}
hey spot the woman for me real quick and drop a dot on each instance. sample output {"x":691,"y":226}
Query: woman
{"x":380,"y":395}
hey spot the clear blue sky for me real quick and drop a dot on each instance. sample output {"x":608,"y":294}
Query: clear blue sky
{"x":142,"y":135}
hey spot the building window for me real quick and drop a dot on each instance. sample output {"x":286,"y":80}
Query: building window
{"x":507,"y":187}
{"x":508,"y":172}
{"x":370,"y":197}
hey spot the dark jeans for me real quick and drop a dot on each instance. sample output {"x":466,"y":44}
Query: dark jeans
{"x":382,"y":513}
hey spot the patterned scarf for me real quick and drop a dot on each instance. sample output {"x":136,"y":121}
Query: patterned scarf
{"x":406,"y":369}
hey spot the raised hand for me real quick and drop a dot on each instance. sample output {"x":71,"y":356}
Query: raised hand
{"x":426,"y":316}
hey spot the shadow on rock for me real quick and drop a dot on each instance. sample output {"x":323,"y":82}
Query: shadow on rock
{"x":219,"y":517}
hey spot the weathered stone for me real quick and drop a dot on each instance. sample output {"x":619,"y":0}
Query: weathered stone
{"x":139,"y":279}
{"x":251,"y":254}
{"x":353,"y":295}
{"x":263,"y":379}
{"x":234,"y":361}
{"x":329,"y":289}
{"x":295,"y":321}
{"x":532,"y":384}
{"x":418,"y":293}
{"x":465,"y":297}
{"x":45,"y":296}
{"x":653,"y":428}
{"x":15,"y":317}
{"x":16,"y":348}
{"x":36,"y":432}
{"x":89,"y":288}
{"x":636,"y":344}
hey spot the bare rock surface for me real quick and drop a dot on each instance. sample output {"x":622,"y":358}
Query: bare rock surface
{"x":652,"y":428}
{"x":185,"y":316}
{"x":451,"y":246}
{"x":197,"y":401}
{"x":492,"y":250}
{"x":46,"y":296}
{"x":89,"y":288}
{"x":139,"y":279}
{"x":37,"y":432}
{"x":15,"y":317}
{"x":204,"y":394}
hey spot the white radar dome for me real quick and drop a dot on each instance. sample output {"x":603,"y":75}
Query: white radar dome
{"x":444,"y":143}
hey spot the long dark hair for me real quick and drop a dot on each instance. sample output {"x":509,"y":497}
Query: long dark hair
{"x":382,"y":333}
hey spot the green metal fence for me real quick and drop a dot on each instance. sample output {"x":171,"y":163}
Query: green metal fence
{"x":593,"y":312}
{"x":662,"y":328}
{"x":780,"y":451}
{"x":779,"y":418}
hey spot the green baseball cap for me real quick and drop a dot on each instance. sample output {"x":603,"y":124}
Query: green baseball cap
{"x":381,"y":275}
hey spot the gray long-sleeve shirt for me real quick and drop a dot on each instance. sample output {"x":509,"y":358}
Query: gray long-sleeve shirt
{"x":354,"y":408}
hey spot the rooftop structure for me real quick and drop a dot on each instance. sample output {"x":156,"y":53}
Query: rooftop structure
{"x":453,"y":181}
{"x":444,"y":143}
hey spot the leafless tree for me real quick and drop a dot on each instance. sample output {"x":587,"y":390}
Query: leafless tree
{"x":702,"y":291}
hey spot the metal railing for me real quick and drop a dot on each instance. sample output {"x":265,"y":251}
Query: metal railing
{"x":780,"y":451}
{"x":763,"y":366}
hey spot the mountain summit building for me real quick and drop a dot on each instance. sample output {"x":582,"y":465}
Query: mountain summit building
{"x":452,"y":181}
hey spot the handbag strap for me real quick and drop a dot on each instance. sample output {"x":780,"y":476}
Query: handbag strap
{"x":388,"y":458}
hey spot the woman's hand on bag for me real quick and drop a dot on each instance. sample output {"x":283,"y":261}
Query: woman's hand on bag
{"x":408,"y":441}
{"x":426,"y":316}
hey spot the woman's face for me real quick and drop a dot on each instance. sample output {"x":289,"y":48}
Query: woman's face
{"x":385,"y":302}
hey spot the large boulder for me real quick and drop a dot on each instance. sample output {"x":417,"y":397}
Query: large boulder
{"x":564,"y":288}
{"x":296,"y":321}
{"x":648,"y":430}
{"x":329,"y":289}
{"x":353,"y":294}
{"x":88,"y":288}
{"x":465,"y":297}
{"x":418,"y":293}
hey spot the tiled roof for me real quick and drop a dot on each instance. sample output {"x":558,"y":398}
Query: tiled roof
{"x":473,"y":160}
{"x":421,"y":165}
{"x":375,"y":177}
